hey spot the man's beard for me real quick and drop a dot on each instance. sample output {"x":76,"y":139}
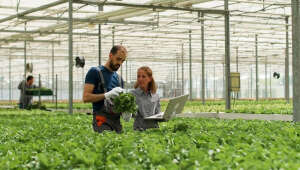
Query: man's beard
{"x":114,"y":67}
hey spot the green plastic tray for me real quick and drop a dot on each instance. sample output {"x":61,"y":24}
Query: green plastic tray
{"x":36,"y":92}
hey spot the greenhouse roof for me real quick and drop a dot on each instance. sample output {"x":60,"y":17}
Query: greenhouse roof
{"x":156,"y":36}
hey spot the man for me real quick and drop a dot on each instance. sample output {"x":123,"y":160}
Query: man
{"x":25,"y":100}
{"x":102,"y":84}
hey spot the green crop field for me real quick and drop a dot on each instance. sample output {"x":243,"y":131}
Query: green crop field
{"x":235,"y":62}
{"x":55,"y":140}
{"x":239,"y":106}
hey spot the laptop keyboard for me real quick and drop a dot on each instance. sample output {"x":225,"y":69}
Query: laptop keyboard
{"x":160,"y":114}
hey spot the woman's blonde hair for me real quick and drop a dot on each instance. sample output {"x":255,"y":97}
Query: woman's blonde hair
{"x":152,"y":85}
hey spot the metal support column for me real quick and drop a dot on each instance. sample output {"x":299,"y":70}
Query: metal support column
{"x":227,"y":56}
{"x":190,"y":65}
{"x":171,"y":81}
{"x":237,"y":66}
{"x":237,"y":59}
{"x":9,"y":76}
{"x":296,"y":58}
{"x":100,"y":8}
{"x":130,"y":75}
{"x":52,"y":69}
{"x":251,"y":84}
{"x":224,"y":86}
{"x":40,"y":85}
{"x":256,"y":68}
{"x":214,"y":81}
{"x":266,"y":79}
{"x":61,"y":86}
{"x":177,"y":76}
{"x":126,"y":74}
{"x":75,"y":89}
{"x":206,"y":88}
{"x":70,"y":56}
{"x":2,"y":83}
{"x":25,"y":58}
{"x":182,"y":71}
{"x":174,"y":81}
{"x":48,"y":71}
{"x":287,"y":68}
{"x":202,"y":61}
{"x":270,"y":82}
{"x":56,"y":91}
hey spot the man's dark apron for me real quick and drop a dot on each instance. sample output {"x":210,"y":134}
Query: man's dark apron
{"x":105,"y":118}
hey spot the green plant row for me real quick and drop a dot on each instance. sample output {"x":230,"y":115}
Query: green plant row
{"x":261,"y":107}
{"x":239,"y":106}
{"x":40,"y":140}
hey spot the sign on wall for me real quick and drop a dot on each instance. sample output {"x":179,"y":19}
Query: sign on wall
{"x":235,"y":82}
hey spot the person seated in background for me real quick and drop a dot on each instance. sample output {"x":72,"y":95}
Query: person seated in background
{"x":146,"y":98}
{"x":26,"y":100}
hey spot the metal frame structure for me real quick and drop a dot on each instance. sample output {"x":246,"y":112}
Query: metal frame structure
{"x":296,"y":59}
{"x":162,"y":27}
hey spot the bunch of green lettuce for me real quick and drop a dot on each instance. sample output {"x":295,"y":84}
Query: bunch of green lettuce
{"x":125,"y":103}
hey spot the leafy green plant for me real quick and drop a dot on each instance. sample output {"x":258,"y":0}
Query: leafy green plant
{"x":241,"y":106}
{"x":125,"y":103}
{"x":41,"y":140}
{"x":181,"y":126}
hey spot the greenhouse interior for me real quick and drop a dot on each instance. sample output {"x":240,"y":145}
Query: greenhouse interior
{"x":227,"y":81}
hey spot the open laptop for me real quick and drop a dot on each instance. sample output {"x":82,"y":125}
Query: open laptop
{"x":175,"y":106}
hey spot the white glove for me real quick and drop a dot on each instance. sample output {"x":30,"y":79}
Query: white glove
{"x":113,"y":93}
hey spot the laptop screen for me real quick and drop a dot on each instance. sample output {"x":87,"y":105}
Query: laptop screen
{"x":175,"y":106}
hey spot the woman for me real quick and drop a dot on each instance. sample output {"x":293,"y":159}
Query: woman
{"x":146,"y":99}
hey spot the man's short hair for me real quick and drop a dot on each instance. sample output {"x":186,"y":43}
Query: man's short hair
{"x":115,"y":49}
{"x":29,"y":78}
